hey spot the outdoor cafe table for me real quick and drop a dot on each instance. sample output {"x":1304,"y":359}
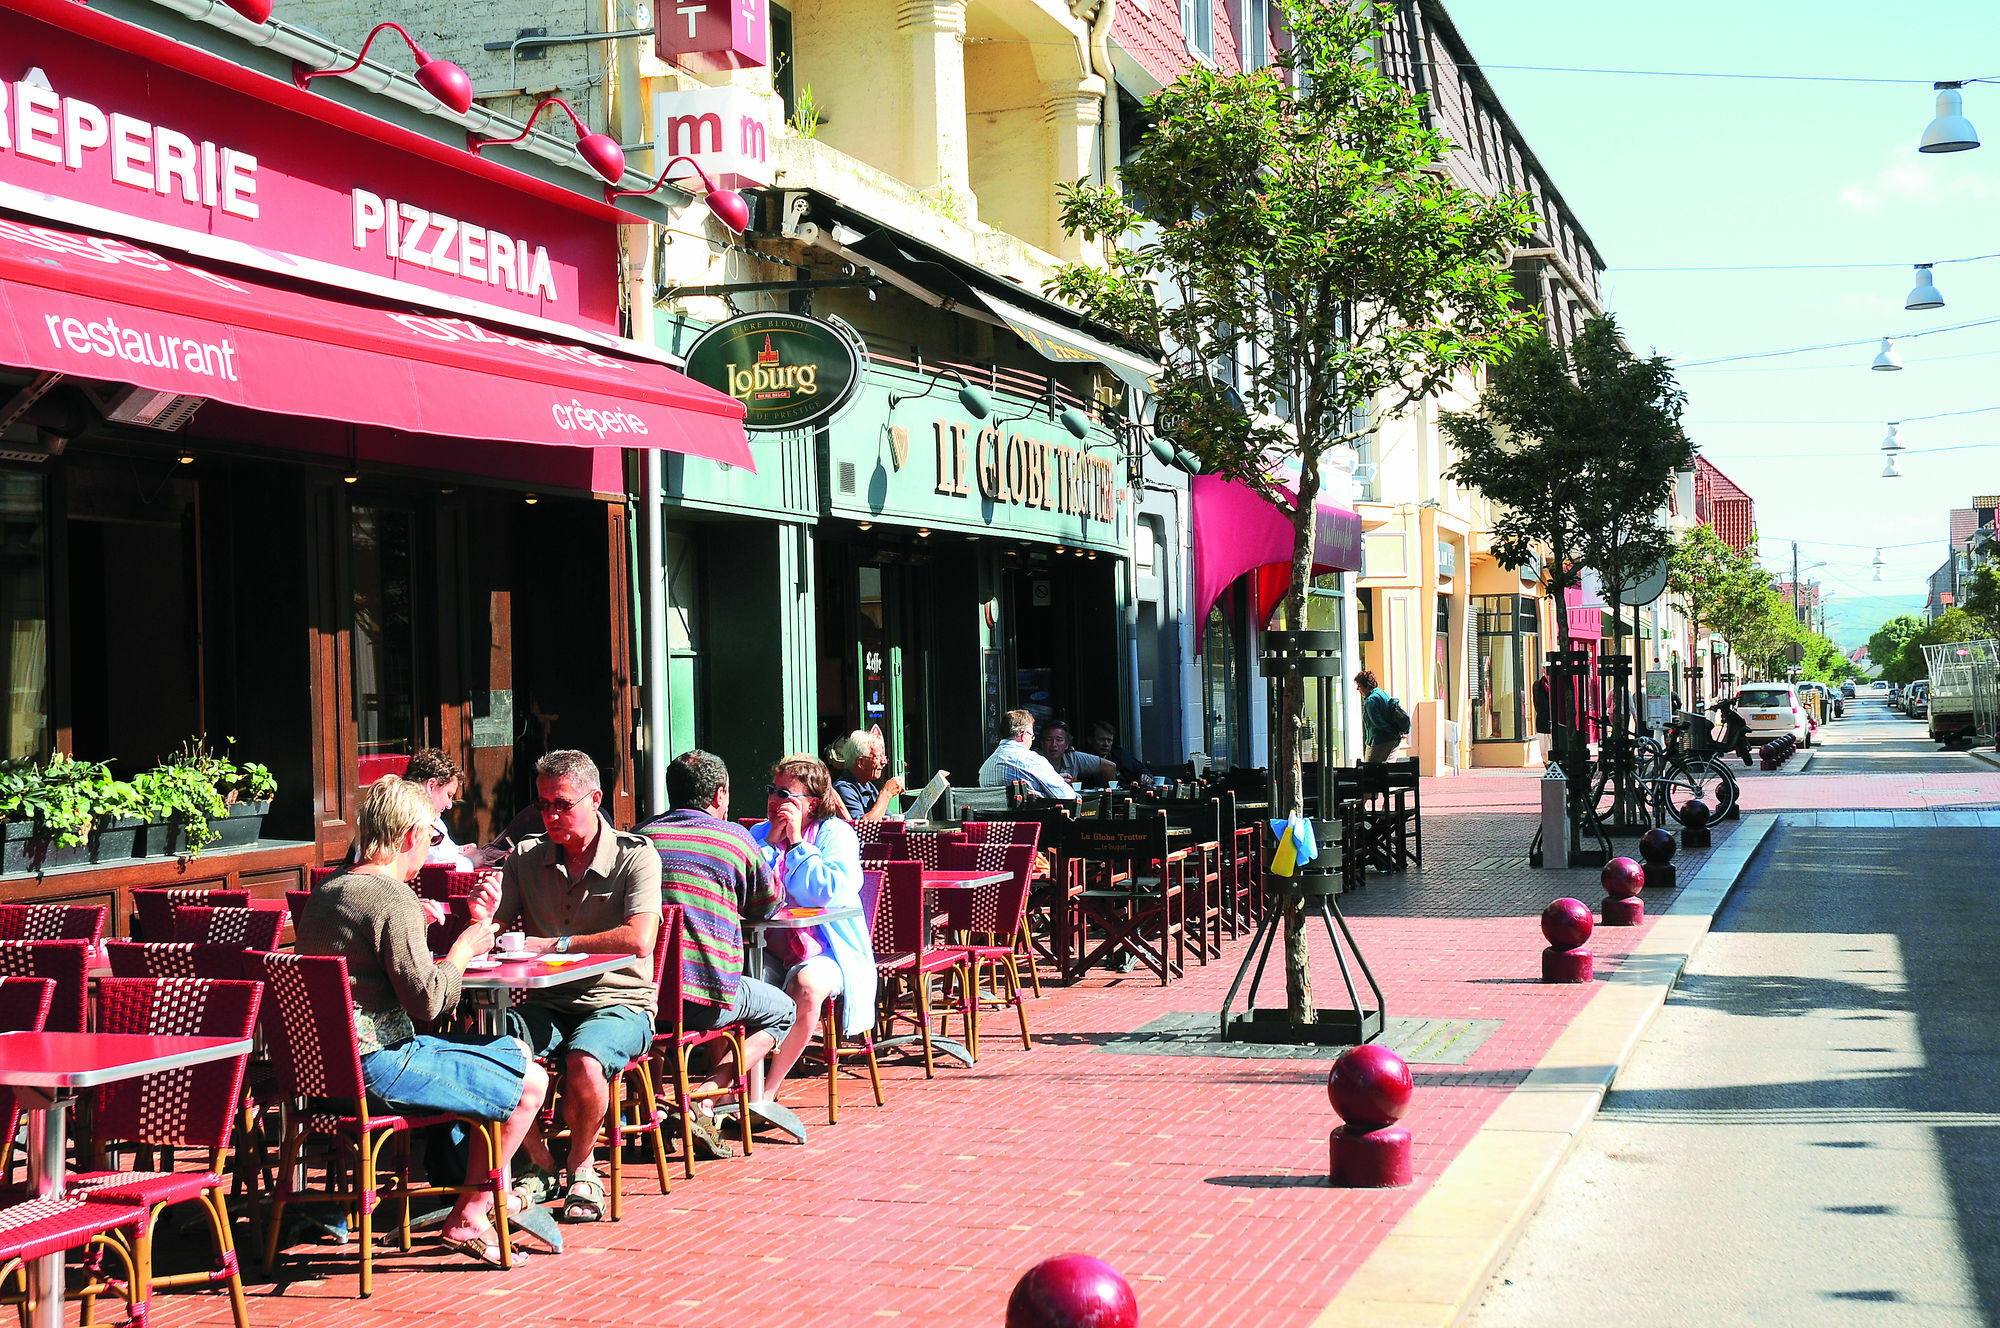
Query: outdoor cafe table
{"x":762,"y":1108}
{"x":492,"y":989}
{"x":46,"y":1070}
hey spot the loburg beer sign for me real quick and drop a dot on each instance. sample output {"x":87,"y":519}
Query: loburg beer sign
{"x":789,"y":371}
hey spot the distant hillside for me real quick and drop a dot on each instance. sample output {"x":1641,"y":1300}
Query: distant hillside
{"x":1850,"y":622}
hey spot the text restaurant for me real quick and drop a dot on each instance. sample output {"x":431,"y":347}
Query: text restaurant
{"x":312,"y":431}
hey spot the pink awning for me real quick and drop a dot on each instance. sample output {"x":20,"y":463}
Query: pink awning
{"x":102,"y":308}
{"x":1236,"y":531}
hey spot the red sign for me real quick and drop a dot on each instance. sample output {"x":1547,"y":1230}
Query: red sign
{"x":101,"y":308}
{"x":84,"y":122}
{"x":714,"y":35}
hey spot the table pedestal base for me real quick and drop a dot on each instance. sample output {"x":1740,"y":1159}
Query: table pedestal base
{"x":775,"y":1114}
{"x":939,"y":1045}
{"x":48,"y":1130}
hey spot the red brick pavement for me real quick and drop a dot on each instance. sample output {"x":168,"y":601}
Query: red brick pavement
{"x":1200,"y":1177}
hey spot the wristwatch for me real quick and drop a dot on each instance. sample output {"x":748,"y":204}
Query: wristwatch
{"x":562,"y":945}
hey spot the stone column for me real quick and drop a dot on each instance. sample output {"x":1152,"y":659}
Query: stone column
{"x":1073,"y":110}
{"x":936,"y":152}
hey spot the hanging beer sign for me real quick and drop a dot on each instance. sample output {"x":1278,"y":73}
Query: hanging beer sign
{"x":788,"y":370}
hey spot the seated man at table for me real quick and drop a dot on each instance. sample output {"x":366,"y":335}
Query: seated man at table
{"x":369,"y":916}
{"x":858,"y":762}
{"x":1016,"y":759}
{"x":1104,"y":742}
{"x":442,"y":781}
{"x":711,"y":867}
{"x":589,"y":888}
{"x":1078,"y":767}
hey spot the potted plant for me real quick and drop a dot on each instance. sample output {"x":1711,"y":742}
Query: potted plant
{"x":52,"y":809}
{"x":201,"y":799}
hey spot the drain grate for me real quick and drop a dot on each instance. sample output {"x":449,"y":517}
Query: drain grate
{"x":1194,"y":1033}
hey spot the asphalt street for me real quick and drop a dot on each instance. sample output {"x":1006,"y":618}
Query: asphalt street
{"x":1809,"y":1133}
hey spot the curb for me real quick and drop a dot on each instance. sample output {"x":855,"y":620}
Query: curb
{"x":1436,"y":1262}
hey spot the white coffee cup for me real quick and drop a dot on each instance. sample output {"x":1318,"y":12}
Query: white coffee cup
{"x":512,"y":941}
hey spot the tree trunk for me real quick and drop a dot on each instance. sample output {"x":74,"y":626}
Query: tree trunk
{"x":1288,"y":741}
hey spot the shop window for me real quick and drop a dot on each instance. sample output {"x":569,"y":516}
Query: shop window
{"x":683,"y":653}
{"x":1442,"y":652}
{"x":1364,"y":613}
{"x":1505,"y":658}
{"x":384,"y":632}
{"x":24,"y":614}
{"x":1220,"y":682}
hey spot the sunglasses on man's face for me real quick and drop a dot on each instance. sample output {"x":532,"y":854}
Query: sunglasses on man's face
{"x":559,"y":806}
{"x":773,"y":791}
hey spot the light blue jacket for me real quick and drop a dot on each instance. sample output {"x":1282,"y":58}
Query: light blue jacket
{"x":825,"y":872}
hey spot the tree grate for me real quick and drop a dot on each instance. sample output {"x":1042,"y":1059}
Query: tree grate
{"x":1196,"y":1033}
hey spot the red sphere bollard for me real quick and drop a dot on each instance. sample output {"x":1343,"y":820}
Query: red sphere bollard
{"x":1370,"y":1086}
{"x":1072,"y":1291}
{"x":1657,"y":848}
{"x":1622,"y":880}
{"x":1568,"y":924}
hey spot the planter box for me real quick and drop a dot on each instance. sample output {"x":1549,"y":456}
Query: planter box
{"x":243,"y":826}
{"x":118,"y":840}
{"x":26,"y":850}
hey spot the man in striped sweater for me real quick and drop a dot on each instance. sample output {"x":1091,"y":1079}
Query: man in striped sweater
{"x":711,"y":868}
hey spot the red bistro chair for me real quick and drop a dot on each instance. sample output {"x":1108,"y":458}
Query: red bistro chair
{"x":997,"y":913}
{"x":52,"y":922}
{"x":448,"y":883}
{"x":1016,"y":832}
{"x":245,"y":928}
{"x":317,"y":877}
{"x":673,"y":1040}
{"x":309,"y":1024}
{"x":907,"y":961}
{"x":176,"y":959}
{"x":24,"y":1008}
{"x":59,"y":1223}
{"x":155,"y":907}
{"x":68,"y":963}
{"x":831,"y":1018}
{"x":189,"y":1108}
{"x":630,"y":1116}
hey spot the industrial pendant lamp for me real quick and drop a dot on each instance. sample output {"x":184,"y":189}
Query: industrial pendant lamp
{"x":600,"y":151}
{"x":1950,"y":131}
{"x":1893,"y":441}
{"x":1923,"y":295}
{"x":441,"y":78}
{"x":728,"y":206}
{"x":1886,"y":359}
{"x":1892,"y":471}
{"x":1878,"y":564}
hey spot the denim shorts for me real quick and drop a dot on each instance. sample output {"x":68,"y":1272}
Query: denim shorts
{"x":612,"y":1035}
{"x":479,"y":1077}
{"x":760,"y":1007}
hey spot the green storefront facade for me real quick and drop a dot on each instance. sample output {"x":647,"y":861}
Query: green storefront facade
{"x":907,"y":564}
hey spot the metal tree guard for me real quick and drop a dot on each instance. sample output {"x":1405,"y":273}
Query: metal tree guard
{"x":1314,"y":659}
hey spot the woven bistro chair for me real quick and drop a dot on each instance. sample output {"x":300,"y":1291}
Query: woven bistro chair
{"x":176,"y":959}
{"x":24,"y":1008}
{"x":52,"y":922}
{"x":830,"y":1020}
{"x":996,"y":913}
{"x":444,"y":883}
{"x":673,"y":1040}
{"x":1040,"y":880}
{"x":310,"y":1026}
{"x":1135,"y":889}
{"x":155,"y":907}
{"x":245,"y":928}
{"x":59,"y":1223}
{"x":68,"y":963}
{"x":188,"y":1108}
{"x":906,"y":961}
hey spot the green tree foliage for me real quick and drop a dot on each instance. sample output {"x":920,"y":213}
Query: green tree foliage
{"x":1982,"y":600}
{"x":1951,"y":625}
{"x":1578,"y":450}
{"x":1885,"y":645}
{"x":1302,"y":211}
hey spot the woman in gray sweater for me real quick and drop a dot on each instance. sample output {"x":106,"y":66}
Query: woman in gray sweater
{"x":372,"y":918}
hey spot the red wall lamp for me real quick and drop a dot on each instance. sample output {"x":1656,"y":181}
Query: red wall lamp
{"x":727,"y":205}
{"x":600,"y":150}
{"x":441,"y":78}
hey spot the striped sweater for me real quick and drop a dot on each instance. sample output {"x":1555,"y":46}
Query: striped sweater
{"x":712,"y":869}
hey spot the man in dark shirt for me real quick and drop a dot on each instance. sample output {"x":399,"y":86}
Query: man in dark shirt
{"x":859,"y":762}
{"x":710,"y":866}
{"x":1104,"y":742}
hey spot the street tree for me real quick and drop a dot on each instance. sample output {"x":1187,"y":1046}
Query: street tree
{"x":1886,"y":643}
{"x":1700,"y":567}
{"x":1296,"y":223}
{"x":1949,"y":626}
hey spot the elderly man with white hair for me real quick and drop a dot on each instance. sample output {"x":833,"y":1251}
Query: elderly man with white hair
{"x":859,"y":761}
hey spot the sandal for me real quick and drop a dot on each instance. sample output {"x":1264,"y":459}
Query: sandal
{"x":532,"y":1188}
{"x":585,"y":1200}
{"x":483,"y":1247}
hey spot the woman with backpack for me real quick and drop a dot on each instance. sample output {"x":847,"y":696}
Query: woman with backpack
{"x":1383,"y":719}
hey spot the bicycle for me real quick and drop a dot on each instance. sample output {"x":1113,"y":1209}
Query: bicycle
{"x":1664,"y":780}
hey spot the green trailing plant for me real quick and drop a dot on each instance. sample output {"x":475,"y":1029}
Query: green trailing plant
{"x":66,"y":798}
{"x":186,"y":796}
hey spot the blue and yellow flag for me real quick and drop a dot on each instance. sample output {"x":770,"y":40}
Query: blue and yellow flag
{"x":1296,"y":846}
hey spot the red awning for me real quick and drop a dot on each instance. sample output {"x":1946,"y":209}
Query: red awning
{"x":1236,"y":531}
{"x":102,"y":308}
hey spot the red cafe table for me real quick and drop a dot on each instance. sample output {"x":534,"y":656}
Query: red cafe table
{"x":46,"y":1071}
{"x":493,"y":983}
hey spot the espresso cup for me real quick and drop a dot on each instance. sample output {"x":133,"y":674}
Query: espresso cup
{"x":512,"y":941}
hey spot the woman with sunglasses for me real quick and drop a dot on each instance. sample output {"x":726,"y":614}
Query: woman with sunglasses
{"x":816,"y":860}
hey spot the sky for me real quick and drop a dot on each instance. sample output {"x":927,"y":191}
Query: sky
{"x":1711,"y":172}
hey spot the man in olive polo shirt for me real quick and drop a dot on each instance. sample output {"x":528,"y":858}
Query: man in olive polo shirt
{"x":588,"y":887}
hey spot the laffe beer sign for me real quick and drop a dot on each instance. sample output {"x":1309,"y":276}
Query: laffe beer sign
{"x":788,"y":370}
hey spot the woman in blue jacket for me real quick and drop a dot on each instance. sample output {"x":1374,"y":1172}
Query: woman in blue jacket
{"x":816,"y":860}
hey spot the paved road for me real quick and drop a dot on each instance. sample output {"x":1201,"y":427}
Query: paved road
{"x":1875,"y":740}
{"x":1809,"y":1133}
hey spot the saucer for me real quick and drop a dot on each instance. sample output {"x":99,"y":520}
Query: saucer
{"x":481,"y":965}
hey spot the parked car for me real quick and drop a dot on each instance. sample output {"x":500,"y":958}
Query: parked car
{"x":1847,"y":689}
{"x":1917,"y":699}
{"x":1880,"y":689}
{"x":1771,"y":710}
